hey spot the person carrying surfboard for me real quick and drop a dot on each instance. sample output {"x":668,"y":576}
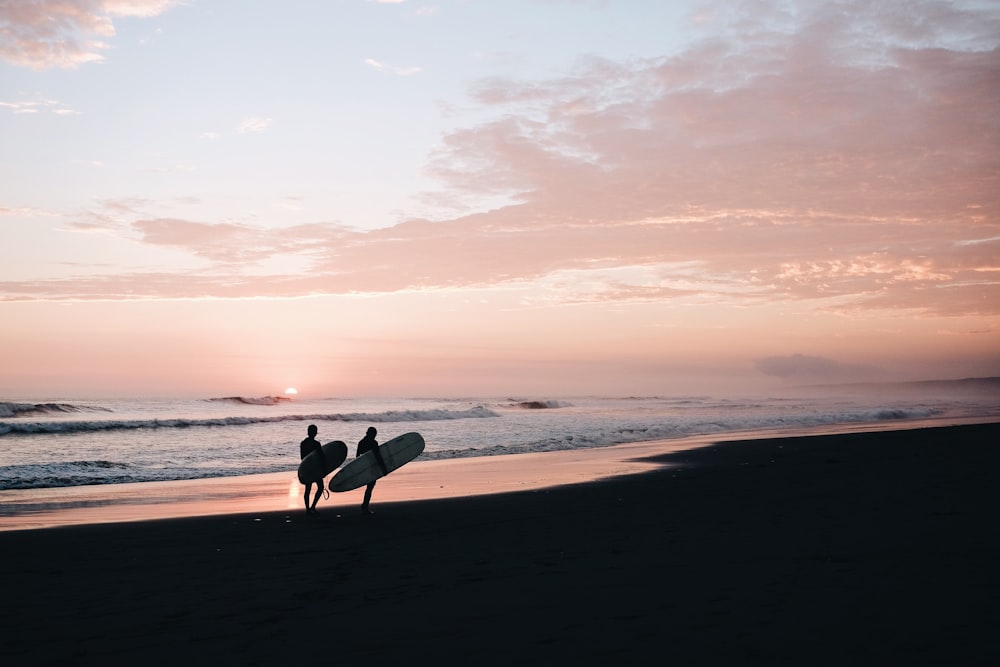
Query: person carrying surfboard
{"x":370,"y":444}
{"x":307,"y":447}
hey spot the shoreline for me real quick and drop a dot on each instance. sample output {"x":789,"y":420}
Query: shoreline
{"x":31,"y":509}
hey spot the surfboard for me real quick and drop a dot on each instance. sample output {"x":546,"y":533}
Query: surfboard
{"x":311,"y":469}
{"x":364,"y":469}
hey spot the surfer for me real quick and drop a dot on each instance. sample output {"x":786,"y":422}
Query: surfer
{"x":369,"y":443}
{"x":307,"y":447}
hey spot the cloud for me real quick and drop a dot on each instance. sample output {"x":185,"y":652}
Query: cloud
{"x":805,"y":368}
{"x":224,"y":241}
{"x":43,"y":34}
{"x":253,"y":125}
{"x":24,"y":212}
{"x":797,"y":365}
{"x":40,"y":105}
{"x":233,"y":243}
{"x":806,"y":161}
{"x":398,"y":71}
{"x":829,"y":138}
{"x":810,"y":169}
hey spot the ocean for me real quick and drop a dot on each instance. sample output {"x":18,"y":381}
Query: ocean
{"x":63,"y":442}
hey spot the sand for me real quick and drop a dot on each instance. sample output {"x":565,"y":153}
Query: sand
{"x":854,"y":549}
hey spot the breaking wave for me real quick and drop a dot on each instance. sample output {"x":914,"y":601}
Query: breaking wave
{"x":89,"y":426}
{"x":16,"y":410}
{"x":263,"y":400}
{"x":671,"y":429}
{"x":537,"y":405}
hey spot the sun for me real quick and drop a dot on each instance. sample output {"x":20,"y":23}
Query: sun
{"x":291,"y":391}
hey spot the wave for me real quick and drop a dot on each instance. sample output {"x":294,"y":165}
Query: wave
{"x":69,"y":473}
{"x":36,"y":428}
{"x":487,"y":439}
{"x":263,"y":400}
{"x":670,"y":431}
{"x":15,"y":410}
{"x":100,"y":472}
{"x":537,"y":405}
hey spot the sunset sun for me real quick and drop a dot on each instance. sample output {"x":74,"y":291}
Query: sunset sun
{"x":291,"y":391}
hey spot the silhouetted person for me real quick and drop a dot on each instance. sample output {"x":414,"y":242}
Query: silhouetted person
{"x":369,"y":443}
{"x":307,"y":447}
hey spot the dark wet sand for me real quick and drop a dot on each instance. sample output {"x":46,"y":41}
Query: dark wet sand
{"x":859,"y":549}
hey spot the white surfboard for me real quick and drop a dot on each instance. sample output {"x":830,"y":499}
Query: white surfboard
{"x":364,"y":469}
{"x":312,"y":470}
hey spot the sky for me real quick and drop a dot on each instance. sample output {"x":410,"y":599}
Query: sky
{"x":531,"y":198}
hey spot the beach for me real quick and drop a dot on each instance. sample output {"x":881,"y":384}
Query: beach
{"x":862,"y":548}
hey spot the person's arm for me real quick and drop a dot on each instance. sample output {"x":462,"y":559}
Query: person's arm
{"x":378,"y":457}
{"x":322,"y":456}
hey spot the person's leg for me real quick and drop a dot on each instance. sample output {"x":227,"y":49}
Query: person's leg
{"x":305,"y":498}
{"x":368,"y":497}
{"x":319,"y":492}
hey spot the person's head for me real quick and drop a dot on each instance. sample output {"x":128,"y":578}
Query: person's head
{"x":312,"y":430}
{"x":372,"y":432}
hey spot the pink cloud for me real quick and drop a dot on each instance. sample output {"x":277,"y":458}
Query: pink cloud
{"x":765,"y":260}
{"x":807,"y":161}
{"x":804,"y":368}
{"x":234,"y":243}
{"x":65,"y":33}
